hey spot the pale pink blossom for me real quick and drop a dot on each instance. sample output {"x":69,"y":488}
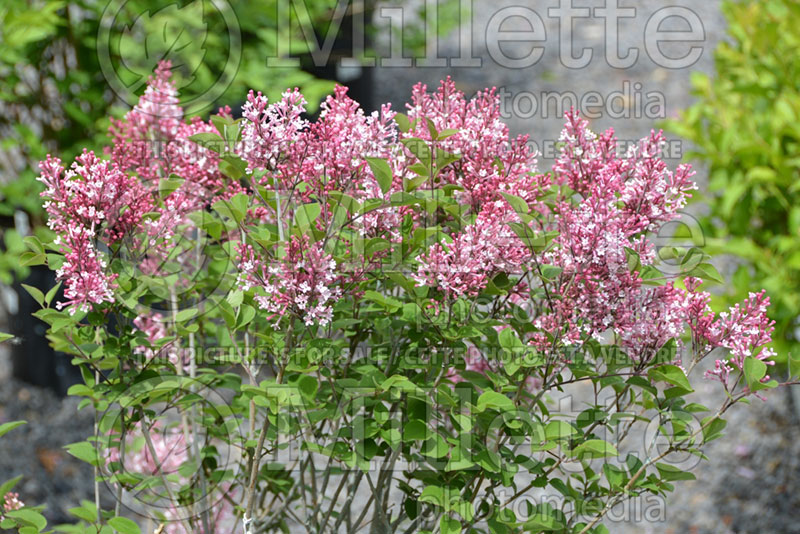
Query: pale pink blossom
{"x":10,"y":502}
{"x":303,"y":283}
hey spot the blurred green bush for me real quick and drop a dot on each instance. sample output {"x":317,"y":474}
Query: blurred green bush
{"x":746,"y":128}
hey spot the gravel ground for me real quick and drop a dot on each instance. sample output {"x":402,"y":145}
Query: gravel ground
{"x":50,"y":475}
{"x":750,"y":485}
{"x":752,"y":482}
{"x":550,"y":75}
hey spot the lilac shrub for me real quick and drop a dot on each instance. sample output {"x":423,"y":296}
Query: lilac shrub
{"x":363,"y":322}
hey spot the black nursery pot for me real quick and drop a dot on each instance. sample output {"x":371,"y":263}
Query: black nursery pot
{"x":359,"y":80}
{"x":33,"y":360}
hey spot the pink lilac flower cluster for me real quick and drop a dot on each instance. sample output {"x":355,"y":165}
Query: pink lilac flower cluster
{"x":170,"y":449}
{"x":10,"y":502}
{"x":96,"y":201}
{"x":600,"y":205}
{"x":489,"y":163}
{"x":330,"y":155}
{"x":490,"y":160}
{"x":327,"y":155}
{"x":304,"y":282}
{"x":744,"y":330}
{"x":464,"y":266}
{"x":152,"y":139}
{"x":300,"y":159}
{"x":618,"y":200}
{"x":83,"y":203}
{"x":270,"y":129}
{"x":621,"y":199}
{"x":614,"y":202}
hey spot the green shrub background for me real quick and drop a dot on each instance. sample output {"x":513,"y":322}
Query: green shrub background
{"x":746,"y":128}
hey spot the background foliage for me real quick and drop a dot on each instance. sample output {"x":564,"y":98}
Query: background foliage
{"x":746,"y":126}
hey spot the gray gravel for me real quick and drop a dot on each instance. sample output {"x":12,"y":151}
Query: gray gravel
{"x":35,"y":450}
{"x":751,"y":483}
{"x":549,"y":75}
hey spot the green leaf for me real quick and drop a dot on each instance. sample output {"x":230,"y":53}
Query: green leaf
{"x":518,"y":203}
{"x":305,"y":215}
{"x":209,"y":140}
{"x":595,"y":448}
{"x":6,"y":337}
{"x":229,"y":130}
{"x":615,"y":475}
{"x":403,"y":123}
{"x":672,"y":374}
{"x":246,"y":314}
{"x":169,"y":185}
{"x":633,"y":259}
{"x":411,"y":184}
{"x":433,"y":495}
{"x":232,"y":166}
{"x":551,"y":272}
{"x":34,"y":244}
{"x":36,"y":293}
{"x":559,"y":430}
{"x":542,"y":522}
{"x":712,"y":428}
{"x":123,"y":525}
{"x":48,"y":298}
{"x":670,"y":473}
{"x":344,"y":201}
{"x":415,"y":430}
{"x":444,"y":134}
{"x":449,"y":526}
{"x":240,"y":202}
{"x":29,"y":259}
{"x":235,"y":208}
{"x":398,"y":382}
{"x":5,"y":428}
{"x":443,"y":159}
{"x":535,"y":242}
{"x":391,"y":304}
{"x":235,"y":298}
{"x":794,"y":365}
{"x":185,"y":315}
{"x":308,"y":386}
{"x":83,"y":513}
{"x":419,"y":148}
{"x":495,"y":400}
{"x":29,"y":516}
{"x":708,"y":272}
{"x":85,"y":451}
{"x":509,"y":339}
{"x":754,"y":371}
{"x":382,"y":172}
